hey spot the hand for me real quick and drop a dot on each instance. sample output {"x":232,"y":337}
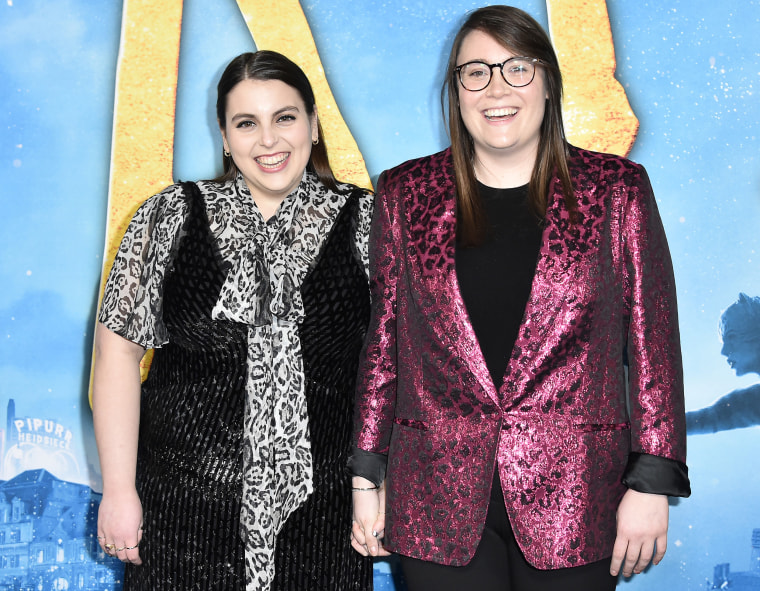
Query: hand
{"x":642,"y":530}
{"x":369,"y":519}
{"x":120,"y":525}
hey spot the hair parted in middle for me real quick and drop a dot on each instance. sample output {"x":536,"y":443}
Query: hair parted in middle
{"x":518,"y":32}
{"x":270,"y":65}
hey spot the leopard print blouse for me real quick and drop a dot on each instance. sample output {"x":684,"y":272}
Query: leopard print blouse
{"x":267,"y":262}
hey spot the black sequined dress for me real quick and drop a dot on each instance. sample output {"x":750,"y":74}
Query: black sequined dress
{"x":191,"y":432}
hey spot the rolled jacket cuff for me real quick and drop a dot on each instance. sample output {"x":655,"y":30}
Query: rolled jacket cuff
{"x":367,"y":464}
{"x":652,"y":474}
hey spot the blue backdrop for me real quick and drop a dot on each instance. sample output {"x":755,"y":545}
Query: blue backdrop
{"x":691,"y":70}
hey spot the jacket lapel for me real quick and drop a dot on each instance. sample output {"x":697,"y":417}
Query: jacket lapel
{"x":561,"y":282}
{"x":431,"y":218}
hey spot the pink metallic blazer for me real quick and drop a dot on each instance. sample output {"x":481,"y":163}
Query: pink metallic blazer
{"x":558,"y":428}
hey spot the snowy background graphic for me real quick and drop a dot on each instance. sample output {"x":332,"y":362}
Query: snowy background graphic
{"x":690,"y":68}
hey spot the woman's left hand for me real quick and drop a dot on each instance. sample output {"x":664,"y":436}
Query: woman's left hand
{"x":368,"y":526}
{"x":642,"y":532}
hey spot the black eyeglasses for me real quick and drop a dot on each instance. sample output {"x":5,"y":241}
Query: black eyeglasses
{"x":516,"y":71}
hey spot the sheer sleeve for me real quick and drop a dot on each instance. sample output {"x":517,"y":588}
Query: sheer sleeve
{"x":133,"y":296}
{"x":363,"y":222}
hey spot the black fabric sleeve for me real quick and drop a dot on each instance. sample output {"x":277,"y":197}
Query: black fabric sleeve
{"x":657,"y":475}
{"x":367,"y":464}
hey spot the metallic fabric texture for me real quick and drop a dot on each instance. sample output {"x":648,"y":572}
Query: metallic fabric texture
{"x":558,"y":428}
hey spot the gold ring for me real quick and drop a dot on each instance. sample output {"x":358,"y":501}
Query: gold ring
{"x":131,"y":547}
{"x":109,"y":547}
{"x":120,"y":549}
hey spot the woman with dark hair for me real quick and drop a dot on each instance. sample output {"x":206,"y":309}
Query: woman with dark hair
{"x":226,"y":468}
{"x":500,"y":443}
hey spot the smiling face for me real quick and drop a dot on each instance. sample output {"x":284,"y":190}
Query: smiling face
{"x":269,"y":134}
{"x":504,"y":121}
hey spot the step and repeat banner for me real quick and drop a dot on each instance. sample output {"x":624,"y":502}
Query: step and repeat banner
{"x":104,"y":103}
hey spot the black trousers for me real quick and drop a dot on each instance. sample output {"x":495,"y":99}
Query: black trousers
{"x":499,"y":565}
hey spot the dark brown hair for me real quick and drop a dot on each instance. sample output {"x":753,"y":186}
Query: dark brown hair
{"x":517,"y":31}
{"x":270,"y":65}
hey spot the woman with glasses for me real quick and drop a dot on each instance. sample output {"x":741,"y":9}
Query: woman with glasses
{"x":520,"y":419}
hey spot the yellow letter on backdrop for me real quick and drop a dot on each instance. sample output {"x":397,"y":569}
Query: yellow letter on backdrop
{"x":596,"y":110}
{"x":597,"y":113}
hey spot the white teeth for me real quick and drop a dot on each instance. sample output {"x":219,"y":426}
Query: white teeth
{"x":500,"y":112}
{"x":272,"y":161}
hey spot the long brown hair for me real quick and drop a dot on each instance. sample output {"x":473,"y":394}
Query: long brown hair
{"x":521,"y":34}
{"x":270,"y":65}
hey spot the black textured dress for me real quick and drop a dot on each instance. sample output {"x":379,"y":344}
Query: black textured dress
{"x":191,"y":433}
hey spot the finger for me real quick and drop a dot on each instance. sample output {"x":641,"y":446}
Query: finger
{"x":360,"y":548}
{"x":120,"y":551}
{"x":661,"y":547}
{"x":647,"y":549}
{"x":131,"y":554}
{"x":631,"y":558}
{"x":372,"y":542}
{"x":381,"y":551}
{"x":358,"y":533}
{"x":618,"y":555}
{"x":378,"y":531}
{"x":366,"y":535}
{"x":379,"y":525}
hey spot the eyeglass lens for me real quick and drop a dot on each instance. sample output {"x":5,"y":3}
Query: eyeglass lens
{"x":477,"y":75}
